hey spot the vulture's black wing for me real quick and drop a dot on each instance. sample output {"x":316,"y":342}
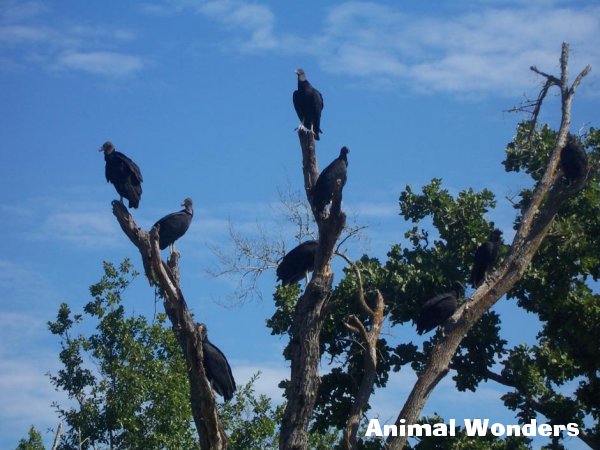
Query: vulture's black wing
{"x":297,"y":262}
{"x":218,"y":370}
{"x":436,"y":311}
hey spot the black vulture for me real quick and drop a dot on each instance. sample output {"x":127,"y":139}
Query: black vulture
{"x":295,"y":264}
{"x":174,"y":225}
{"x":217,"y":368}
{"x":485,"y":258}
{"x":308,"y":103}
{"x":326,"y":184}
{"x":573,"y":159}
{"x":438,"y":309}
{"x":123,"y":173}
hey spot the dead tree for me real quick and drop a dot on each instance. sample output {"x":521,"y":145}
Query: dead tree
{"x":310,"y":313}
{"x":548,"y":196}
{"x":165,"y":275}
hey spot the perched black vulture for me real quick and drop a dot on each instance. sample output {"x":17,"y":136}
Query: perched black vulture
{"x":174,"y":225}
{"x":438,"y":309}
{"x":217,"y":368}
{"x":573,"y":159}
{"x":123,"y":173}
{"x":308,"y":103}
{"x":295,"y":264}
{"x":485,"y":258}
{"x":333,"y":174}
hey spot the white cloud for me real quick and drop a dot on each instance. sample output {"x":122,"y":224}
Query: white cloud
{"x":267,"y":382}
{"x":27,"y":395}
{"x":15,"y":10}
{"x":374,"y":210}
{"x":480,"y":51}
{"x":88,"y":229}
{"x":489,"y":50}
{"x":111,"y":64}
{"x":19,"y":281}
{"x":82,"y":223}
{"x":15,"y":34}
{"x":72,"y":46}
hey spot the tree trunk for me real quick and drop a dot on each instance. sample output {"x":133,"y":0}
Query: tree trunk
{"x":310,"y":314}
{"x":166,"y":276}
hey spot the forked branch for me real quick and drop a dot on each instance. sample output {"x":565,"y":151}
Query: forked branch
{"x":310,"y":313}
{"x":370,"y":337}
{"x":165,"y":275}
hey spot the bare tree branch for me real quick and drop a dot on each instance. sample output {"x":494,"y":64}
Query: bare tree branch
{"x":547,"y":198}
{"x":371,"y":337}
{"x":250,"y":257}
{"x":188,"y":334}
{"x":360,"y":294}
{"x":310,"y":313}
{"x":57,"y":436}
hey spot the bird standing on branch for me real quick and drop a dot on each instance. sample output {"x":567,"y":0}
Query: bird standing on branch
{"x":332,"y":175}
{"x":123,"y":173}
{"x":486,"y":256}
{"x":308,"y":103}
{"x":218,"y":370}
{"x":437,"y":310}
{"x":297,"y":263}
{"x":573,"y":159}
{"x":174,"y":225}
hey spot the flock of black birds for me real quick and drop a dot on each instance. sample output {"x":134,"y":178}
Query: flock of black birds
{"x":127,"y":178}
{"x":296,"y":264}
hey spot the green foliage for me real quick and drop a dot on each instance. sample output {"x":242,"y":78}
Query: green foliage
{"x":127,"y":378}
{"x":33,"y":441}
{"x":530,"y":150}
{"x":428,"y":267}
{"x":559,"y":287}
{"x":436,"y":258}
{"x":285,"y":301}
{"x":129,"y":384}
{"x":250,"y":421}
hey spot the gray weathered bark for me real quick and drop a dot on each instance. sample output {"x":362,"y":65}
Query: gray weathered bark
{"x":165,"y":275}
{"x":549,"y":194}
{"x":310,"y":313}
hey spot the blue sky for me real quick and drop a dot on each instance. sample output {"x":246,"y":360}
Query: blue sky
{"x":198,"y":93}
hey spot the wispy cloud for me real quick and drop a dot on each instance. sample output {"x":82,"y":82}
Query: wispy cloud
{"x":109,"y":64}
{"x":460,"y":51}
{"x":94,"y":229}
{"x":268,"y":380}
{"x":16,"y":10}
{"x":78,"y":221}
{"x":374,"y":210}
{"x":28,"y":396}
{"x":25,"y":39}
{"x":470,"y":52}
{"x":254,"y":20}
{"x":23,"y":283}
